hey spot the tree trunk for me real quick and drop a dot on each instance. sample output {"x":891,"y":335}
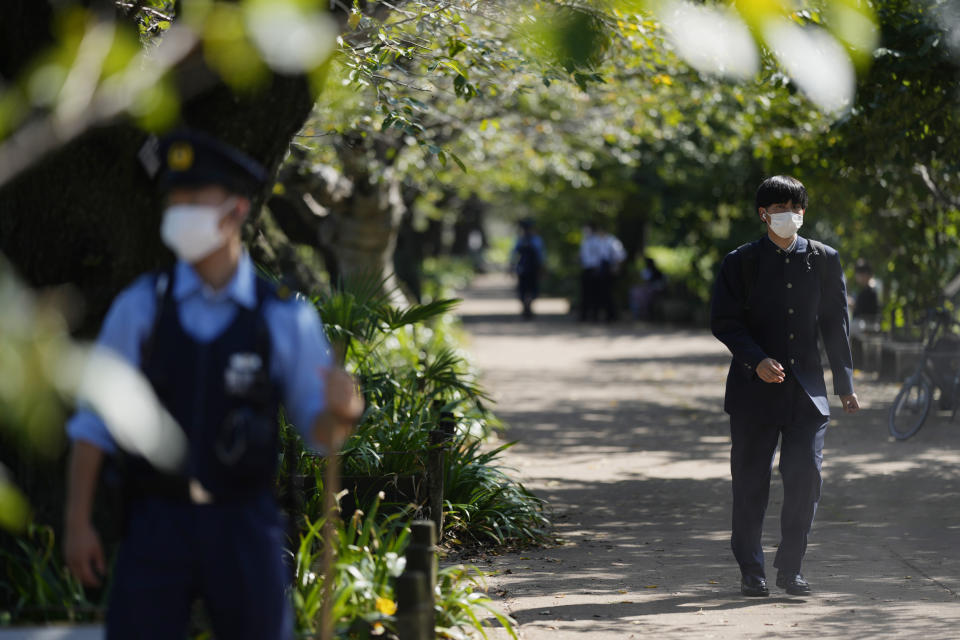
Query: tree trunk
{"x":351,"y":218}
{"x":632,"y":224}
{"x":408,"y":257}
{"x":469,"y":222}
{"x":367,"y":231}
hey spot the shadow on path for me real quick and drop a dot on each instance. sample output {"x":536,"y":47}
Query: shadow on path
{"x":621,"y":430}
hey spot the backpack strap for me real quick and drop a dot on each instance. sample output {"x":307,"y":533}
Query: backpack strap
{"x":267,"y":291}
{"x":163,"y":293}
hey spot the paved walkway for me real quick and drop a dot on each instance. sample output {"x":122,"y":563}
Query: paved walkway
{"x":621,"y":430}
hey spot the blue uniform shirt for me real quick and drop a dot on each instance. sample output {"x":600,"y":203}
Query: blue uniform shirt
{"x":299,"y":348}
{"x":537,"y":243}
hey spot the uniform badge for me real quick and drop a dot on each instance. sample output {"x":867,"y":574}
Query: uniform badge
{"x":241,"y":373}
{"x":180,"y":156}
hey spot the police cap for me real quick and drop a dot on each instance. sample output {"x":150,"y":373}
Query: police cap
{"x":191,"y":158}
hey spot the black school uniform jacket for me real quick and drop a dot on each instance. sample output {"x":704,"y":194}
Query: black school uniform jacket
{"x":785,"y":311}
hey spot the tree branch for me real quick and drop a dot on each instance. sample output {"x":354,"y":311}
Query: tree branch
{"x":924,"y":173}
{"x":94,"y":106}
{"x":137,"y":7}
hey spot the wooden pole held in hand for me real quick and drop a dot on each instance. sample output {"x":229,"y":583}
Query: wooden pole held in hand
{"x":331,"y":486}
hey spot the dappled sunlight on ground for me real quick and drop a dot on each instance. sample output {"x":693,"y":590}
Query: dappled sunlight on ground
{"x":621,"y":430}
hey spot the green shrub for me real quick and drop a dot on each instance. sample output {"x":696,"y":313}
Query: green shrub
{"x":462,"y":603}
{"x":367,"y":559}
{"x":413,"y":371}
{"x":485,"y":505}
{"x":35,"y":585}
{"x":368,"y":555}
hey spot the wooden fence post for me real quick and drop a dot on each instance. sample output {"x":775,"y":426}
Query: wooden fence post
{"x":440,"y":439}
{"x":422,"y":553}
{"x":414,"y":612}
{"x":436,"y":464}
{"x":416,"y":586}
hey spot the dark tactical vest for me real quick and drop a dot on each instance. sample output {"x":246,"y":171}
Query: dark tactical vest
{"x":221,"y":395}
{"x":528,"y":262}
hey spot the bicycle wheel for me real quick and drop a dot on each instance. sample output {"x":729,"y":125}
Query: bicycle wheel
{"x":910,"y":407}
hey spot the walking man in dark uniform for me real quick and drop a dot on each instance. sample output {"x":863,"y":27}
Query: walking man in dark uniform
{"x":528,"y":258}
{"x":222,"y":349}
{"x":771,"y":299}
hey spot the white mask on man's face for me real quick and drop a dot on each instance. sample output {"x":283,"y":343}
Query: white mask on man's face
{"x":192,"y":231}
{"x":785,"y":224}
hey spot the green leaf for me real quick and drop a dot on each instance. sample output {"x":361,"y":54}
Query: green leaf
{"x":459,"y":162}
{"x":454,"y":66}
{"x":455,"y":46}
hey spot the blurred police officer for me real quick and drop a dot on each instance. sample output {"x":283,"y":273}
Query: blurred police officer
{"x":613,"y":254}
{"x":222,"y":349}
{"x":771,"y":298}
{"x":592,"y":251}
{"x":528,"y":257}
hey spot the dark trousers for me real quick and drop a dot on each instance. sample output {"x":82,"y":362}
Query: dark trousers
{"x":596,"y":294}
{"x":607,"y":280}
{"x":589,"y":286}
{"x":528,"y":288}
{"x":228,"y":555}
{"x":800,"y":432}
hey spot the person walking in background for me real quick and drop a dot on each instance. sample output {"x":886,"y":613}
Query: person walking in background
{"x":866,"y":303}
{"x":613,"y":255}
{"x":643,"y":295}
{"x":591,"y":265}
{"x":601,"y":255}
{"x":528,"y":258}
{"x":770,"y":300}
{"x":222,"y":348}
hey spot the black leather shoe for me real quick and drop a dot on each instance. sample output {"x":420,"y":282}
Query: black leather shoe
{"x":754,"y":587}
{"x":793,"y":583}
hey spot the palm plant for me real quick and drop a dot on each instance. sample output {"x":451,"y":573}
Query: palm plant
{"x":413,"y":372}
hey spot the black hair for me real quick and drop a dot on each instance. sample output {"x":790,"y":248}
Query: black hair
{"x":863,"y":266}
{"x":781,"y":189}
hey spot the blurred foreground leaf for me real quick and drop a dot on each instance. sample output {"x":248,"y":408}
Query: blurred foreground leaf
{"x":32,"y":337}
{"x":14,"y":508}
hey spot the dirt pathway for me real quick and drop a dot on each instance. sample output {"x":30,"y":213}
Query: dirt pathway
{"x":621,"y":430}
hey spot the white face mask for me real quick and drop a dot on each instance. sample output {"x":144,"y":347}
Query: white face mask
{"x":785,"y":224}
{"x":192,"y":231}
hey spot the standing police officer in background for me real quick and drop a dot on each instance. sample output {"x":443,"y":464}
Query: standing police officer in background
{"x":591,"y":263}
{"x":771,"y":298}
{"x":613,"y":257}
{"x":527,"y":259}
{"x":222,"y":350}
